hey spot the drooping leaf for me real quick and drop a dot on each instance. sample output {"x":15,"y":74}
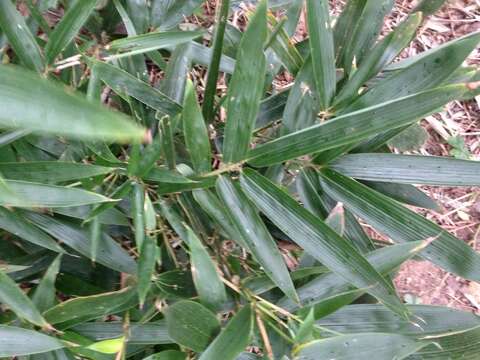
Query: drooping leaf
{"x":191,"y":325}
{"x":53,"y":111}
{"x":245,"y":88}
{"x":21,"y":39}
{"x":167,"y":14}
{"x":233,"y":339}
{"x":15,"y":341}
{"x":402,"y":224}
{"x":255,"y":234}
{"x":317,"y":238}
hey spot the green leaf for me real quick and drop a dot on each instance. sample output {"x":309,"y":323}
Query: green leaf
{"x":51,"y":110}
{"x":367,"y":27}
{"x":207,"y":281}
{"x":329,"y":285}
{"x":176,"y":73}
{"x":18,"y":226}
{"x":21,"y":39}
{"x":255,"y":234}
{"x":361,"y":346}
{"x":68,"y":28}
{"x":210,"y":203}
{"x":322,"y":50}
{"x":412,"y":138}
{"x":138,"y":202}
{"x":381,"y":55}
{"x":217,"y":47}
{"x":245,"y":88}
{"x":110,"y":254}
{"x":51,"y":171}
{"x":18,"y":302}
{"x":15,"y":341}
{"x":195,"y":131}
{"x":424,"y":72}
{"x":305,"y":330}
{"x":191,"y":325}
{"x":233,"y":339}
{"x":464,"y":344}
{"x":36,"y":195}
{"x":402,"y":224}
{"x":436,"y":320}
{"x":353,"y":127}
{"x":45,"y":293}
{"x":317,"y":238}
{"x":302,"y":104}
{"x":145,"y":43}
{"x":125,"y":84}
{"x":407,"y":194}
{"x":111,"y":346}
{"x":410,"y":169}
{"x":82,"y":309}
{"x":150,"y":333}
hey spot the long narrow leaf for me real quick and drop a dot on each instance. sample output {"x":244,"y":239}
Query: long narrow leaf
{"x":15,"y":341}
{"x":51,"y":110}
{"x":402,"y":224}
{"x":317,"y":238}
{"x":245,"y":88}
{"x":21,"y":39}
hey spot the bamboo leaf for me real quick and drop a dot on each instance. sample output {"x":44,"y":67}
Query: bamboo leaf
{"x":245,"y":88}
{"x":381,"y":55}
{"x":429,"y":7}
{"x":255,"y":234}
{"x":140,"y":44}
{"x":67,"y":29}
{"x":410,"y":169}
{"x":15,"y":341}
{"x":51,"y":171}
{"x":18,"y":302}
{"x":21,"y":39}
{"x":317,"y":238}
{"x":424,"y":72}
{"x":195,"y":131}
{"x":31,"y":194}
{"x":322,"y":50}
{"x":436,"y":320}
{"x":233,"y":339}
{"x":205,"y":275}
{"x":45,"y":293}
{"x":51,"y":110}
{"x":362,"y":347}
{"x":82,"y":309}
{"x":191,"y":324}
{"x":110,"y":254}
{"x":217,"y":47}
{"x":353,"y":127}
{"x":125,"y":84}
{"x":167,"y":14}
{"x":17,"y":225}
{"x":402,"y":224}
